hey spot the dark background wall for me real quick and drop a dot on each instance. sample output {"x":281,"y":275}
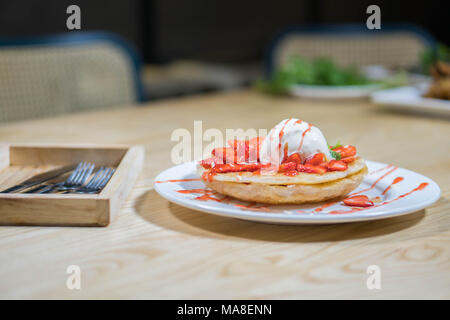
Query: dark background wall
{"x":232,"y":30}
{"x":32,"y":17}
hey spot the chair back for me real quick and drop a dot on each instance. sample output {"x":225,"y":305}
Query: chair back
{"x":349,"y":45}
{"x":66,"y":73}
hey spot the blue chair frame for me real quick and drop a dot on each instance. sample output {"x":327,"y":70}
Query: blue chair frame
{"x":82,"y":38}
{"x":347,"y":29}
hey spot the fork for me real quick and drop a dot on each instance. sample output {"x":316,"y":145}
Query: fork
{"x":98,"y":181}
{"x":77,"y":179}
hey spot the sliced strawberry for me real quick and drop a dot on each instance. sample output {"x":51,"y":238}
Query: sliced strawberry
{"x":288,"y":166}
{"x":346,"y":151}
{"x":231,"y":167}
{"x":225,"y":155}
{"x":208,"y":175}
{"x":316,"y":159}
{"x":349,"y":159}
{"x":207,"y":163}
{"x":358,"y":201}
{"x":336,"y":165}
{"x":228,"y":167}
{"x":295,"y":157}
{"x":311,"y":169}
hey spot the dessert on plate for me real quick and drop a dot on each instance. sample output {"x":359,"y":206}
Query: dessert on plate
{"x":293,"y":164}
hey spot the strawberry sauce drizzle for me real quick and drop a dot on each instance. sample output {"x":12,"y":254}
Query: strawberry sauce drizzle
{"x":381,"y":169}
{"x":325,"y":205}
{"x":205,"y":194}
{"x":303,"y":137}
{"x":329,"y":204}
{"x":178,"y":180}
{"x":281,"y":134}
{"x":211,"y":195}
{"x":376,"y":182}
{"x":395,"y":181}
{"x":421,"y":186}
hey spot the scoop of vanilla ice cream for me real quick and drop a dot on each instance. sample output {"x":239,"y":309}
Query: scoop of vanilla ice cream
{"x":299,"y":137}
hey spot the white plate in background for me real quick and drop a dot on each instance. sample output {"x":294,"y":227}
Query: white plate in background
{"x":411,"y":99}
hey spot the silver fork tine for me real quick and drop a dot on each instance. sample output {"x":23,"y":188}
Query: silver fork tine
{"x":75,"y":172}
{"x":106,"y":179}
{"x":82,"y":176}
{"x":88,"y":174}
{"x":79,"y":174}
{"x":99,"y":183}
{"x":100,"y":179}
{"x":94,"y":178}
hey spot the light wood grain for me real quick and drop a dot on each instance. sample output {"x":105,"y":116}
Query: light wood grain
{"x":155,"y":249}
{"x":28,"y":160}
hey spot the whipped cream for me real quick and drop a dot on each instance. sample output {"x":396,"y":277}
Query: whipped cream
{"x":293,"y":136}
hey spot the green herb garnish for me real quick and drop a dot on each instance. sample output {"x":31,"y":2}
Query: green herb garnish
{"x":335,"y":155}
{"x":337,"y":145}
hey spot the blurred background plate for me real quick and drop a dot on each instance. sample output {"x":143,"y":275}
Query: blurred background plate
{"x":411,"y":99}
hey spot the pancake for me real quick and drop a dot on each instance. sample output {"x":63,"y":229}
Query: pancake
{"x":289,"y":193}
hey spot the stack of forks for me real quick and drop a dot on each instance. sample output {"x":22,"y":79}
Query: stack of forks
{"x":78,"y":181}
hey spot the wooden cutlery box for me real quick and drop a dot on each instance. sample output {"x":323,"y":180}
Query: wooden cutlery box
{"x":19,"y":162}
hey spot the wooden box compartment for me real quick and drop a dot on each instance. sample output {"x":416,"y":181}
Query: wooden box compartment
{"x":19,"y":162}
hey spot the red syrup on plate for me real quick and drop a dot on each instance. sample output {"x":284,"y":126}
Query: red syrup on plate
{"x":211,"y":195}
{"x":329,"y":204}
{"x":421,"y":186}
{"x":396,"y":180}
{"x":377,"y":181}
{"x":178,"y":180}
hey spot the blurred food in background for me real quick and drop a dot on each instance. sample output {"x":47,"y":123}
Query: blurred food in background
{"x":343,"y":61}
{"x":323,"y":71}
{"x":440,"y":88}
{"x":438,"y":65}
{"x":429,"y":92}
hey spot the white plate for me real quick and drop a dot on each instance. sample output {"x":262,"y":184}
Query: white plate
{"x":333,"y":92}
{"x":398,"y":200}
{"x":410,"y":98}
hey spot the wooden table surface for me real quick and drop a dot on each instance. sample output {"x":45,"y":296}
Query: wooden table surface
{"x":156,"y":249}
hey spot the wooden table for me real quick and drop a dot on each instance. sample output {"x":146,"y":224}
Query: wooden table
{"x":155,"y":249}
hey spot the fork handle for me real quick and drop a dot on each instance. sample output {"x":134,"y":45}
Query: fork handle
{"x":36,"y":189}
{"x":49,"y":188}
